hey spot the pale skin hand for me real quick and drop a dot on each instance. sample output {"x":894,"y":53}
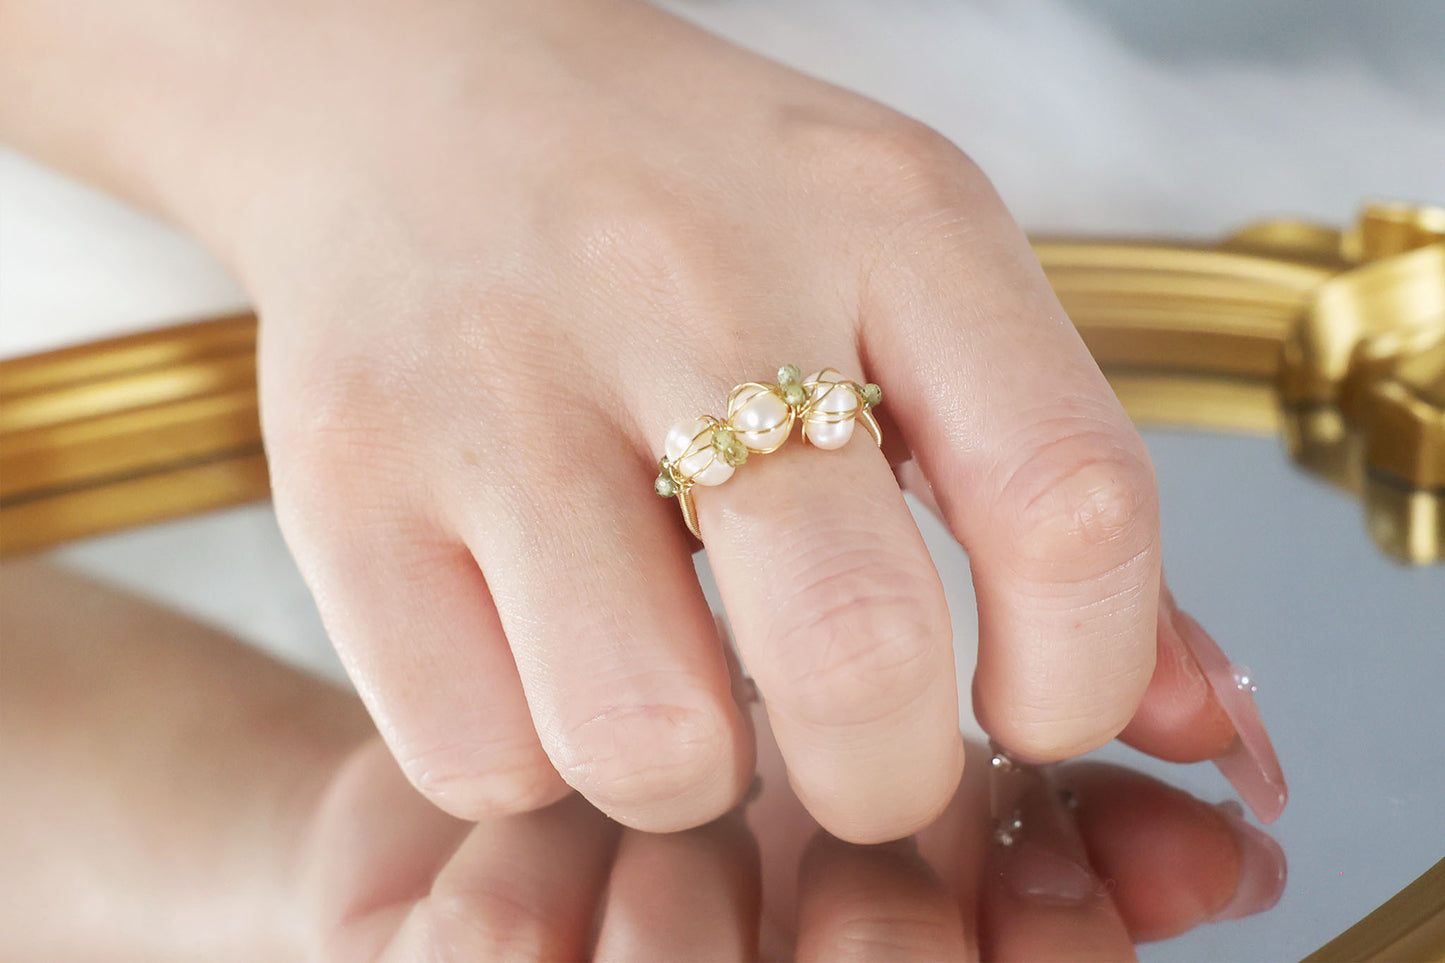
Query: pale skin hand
{"x":498,"y":249}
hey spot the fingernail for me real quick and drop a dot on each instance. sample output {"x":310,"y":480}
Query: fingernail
{"x":1250,"y":763}
{"x":1038,"y":851}
{"x":1262,"y":870}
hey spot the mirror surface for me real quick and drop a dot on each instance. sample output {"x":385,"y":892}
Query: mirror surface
{"x":1345,"y":646}
{"x":1348,"y":649}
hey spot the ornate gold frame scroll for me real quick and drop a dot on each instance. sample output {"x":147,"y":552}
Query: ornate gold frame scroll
{"x":1334,"y":340}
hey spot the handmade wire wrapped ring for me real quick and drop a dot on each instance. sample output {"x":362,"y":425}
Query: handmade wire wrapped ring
{"x":760,"y":418}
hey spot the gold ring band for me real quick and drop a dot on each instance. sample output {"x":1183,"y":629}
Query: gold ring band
{"x":760,"y":417}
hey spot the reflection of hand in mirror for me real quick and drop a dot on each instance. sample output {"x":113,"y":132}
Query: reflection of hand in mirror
{"x":170,"y":794}
{"x":1079,"y":863}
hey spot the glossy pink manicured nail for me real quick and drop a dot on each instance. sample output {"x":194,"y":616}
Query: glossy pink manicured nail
{"x":1249,"y":764}
{"x":1262,"y":869}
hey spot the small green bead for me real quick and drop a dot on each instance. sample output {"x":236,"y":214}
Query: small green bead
{"x":722,"y":440}
{"x":789,"y":374}
{"x":665,"y":486}
{"x":795,"y":394}
{"x":735,"y":454}
{"x":872,"y":394}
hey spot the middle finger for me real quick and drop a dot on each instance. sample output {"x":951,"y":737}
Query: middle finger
{"x":840,"y":617}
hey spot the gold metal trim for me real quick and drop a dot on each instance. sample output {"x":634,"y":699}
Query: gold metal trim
{"x":124,"y":442}
{"x":1409,"y":926}
{"x":1333,"y":339}
{"x":148,"y":350}
{"x":229,"y":477}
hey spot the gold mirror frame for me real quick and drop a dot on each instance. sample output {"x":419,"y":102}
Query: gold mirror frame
{"x":1333,"y":339}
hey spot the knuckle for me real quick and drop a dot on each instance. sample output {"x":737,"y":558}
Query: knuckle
{"x":336,"y":433}
{"x":640,"y":755}
{"x":896,"y":163}
{"x":1082,"y":507}
{"x":503,"y":345}
{"x":858,"y":642}
{"x":636,"y":239}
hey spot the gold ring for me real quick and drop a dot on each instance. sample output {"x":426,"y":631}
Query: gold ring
{"x":707,"y":450}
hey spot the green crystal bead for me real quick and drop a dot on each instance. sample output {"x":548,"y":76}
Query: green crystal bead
{"x":665,"y":486}
{"x":789,"y":374}
{"x":795,"y":394}
{"x":722,"y":440}
{"x":735,"y":454}
{"x":872,"y":394}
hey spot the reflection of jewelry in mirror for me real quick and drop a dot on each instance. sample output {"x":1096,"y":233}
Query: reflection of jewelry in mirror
{"x":1007,"y":821}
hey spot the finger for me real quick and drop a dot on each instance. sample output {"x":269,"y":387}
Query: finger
{"x":1175,"y":862}
{"x":841,"y":621}
{"x":1039,"y":897}
{"x":376,"y":846}
{"x":1200,"y":706}
{"x":519,"y":888}
{"x":783,"y":829}
{"x":1204,"y":700}
{"x":1197,"y":706}
{"x":617,"y":650}
{"x":1179,"y":718}
{"x":1033,"y":462}
{"x":412,"y":619}
{"x":874,"y":903}
{"x":685,"y":896}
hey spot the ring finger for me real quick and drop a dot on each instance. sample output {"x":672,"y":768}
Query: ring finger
{"x":840,"y":617}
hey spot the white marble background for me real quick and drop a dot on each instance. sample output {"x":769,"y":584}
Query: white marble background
{"x":1168,"y":118}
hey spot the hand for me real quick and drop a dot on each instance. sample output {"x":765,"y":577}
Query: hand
{"x":391,"y":877}
{"x":490,"y":283}
{"x":498,"y":250}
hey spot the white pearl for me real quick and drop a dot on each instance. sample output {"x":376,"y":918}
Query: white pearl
{"x":680,"y":436}
{"x":829,"y":422}
{"x":828,"y":436}
{"x":759,"y":418}
{"x":716,"y":472}
{"x":689,"y":446}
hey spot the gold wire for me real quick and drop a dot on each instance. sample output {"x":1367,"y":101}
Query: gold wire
{"x":777,"y":392}
{"x":862,"y":413}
